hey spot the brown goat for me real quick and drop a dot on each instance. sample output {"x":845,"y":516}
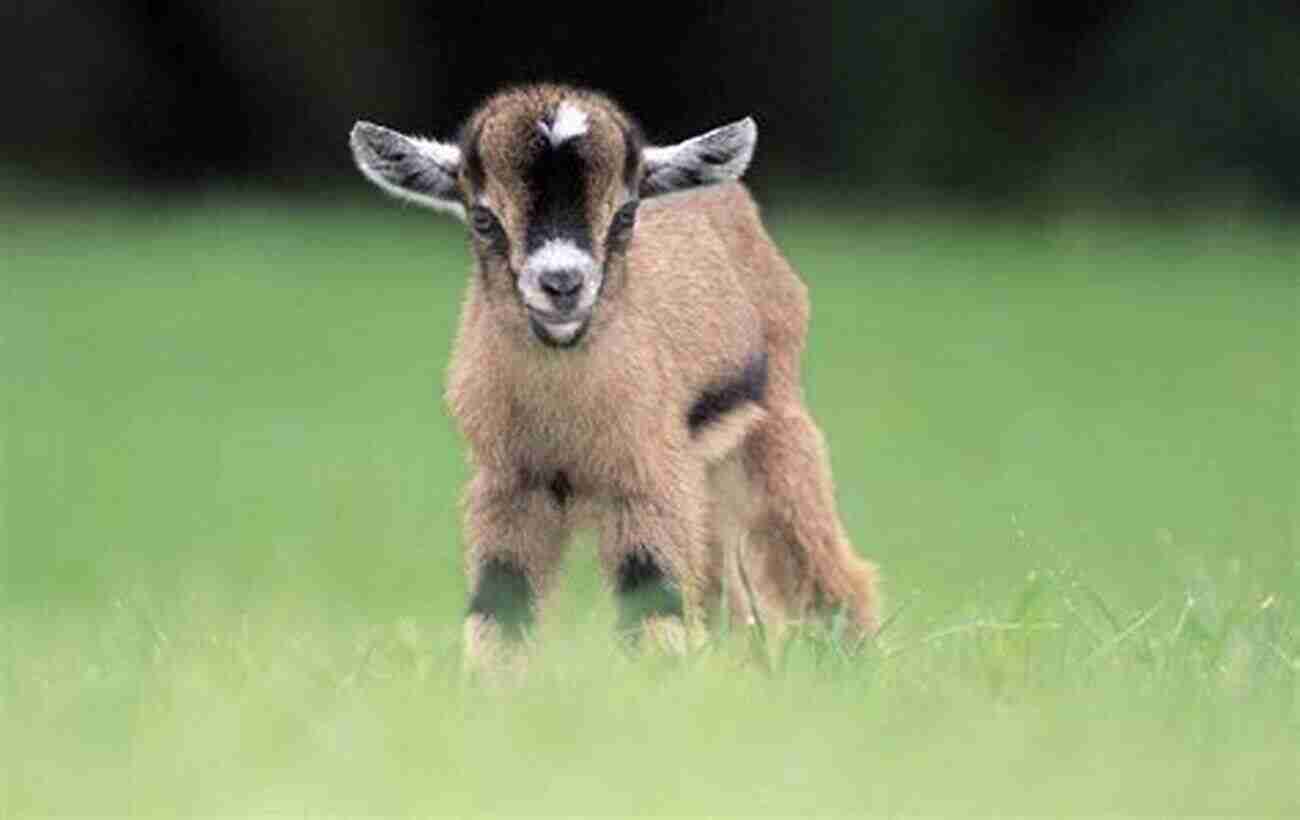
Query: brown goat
{"x":630,"y":361}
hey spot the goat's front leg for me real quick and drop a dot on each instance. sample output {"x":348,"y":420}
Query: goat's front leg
{"x":516,"y":530}
{"x":651,"y":551}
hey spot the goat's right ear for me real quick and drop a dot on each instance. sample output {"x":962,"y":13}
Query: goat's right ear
{"x":417,"y":170}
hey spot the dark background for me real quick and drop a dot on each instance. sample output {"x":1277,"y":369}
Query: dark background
{"x":1011,"y":103}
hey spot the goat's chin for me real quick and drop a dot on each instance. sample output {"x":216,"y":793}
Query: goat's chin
{"x":553,"y":331}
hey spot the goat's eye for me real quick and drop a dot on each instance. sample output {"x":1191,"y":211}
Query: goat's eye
{"x":625,"y":217}
{"x":482,"y":220}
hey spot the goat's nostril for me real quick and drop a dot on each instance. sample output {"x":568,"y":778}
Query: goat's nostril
{"x":561,"y":282}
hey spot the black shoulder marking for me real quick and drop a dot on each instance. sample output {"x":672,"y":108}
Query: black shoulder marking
{"x":503,"y":594}
{"x":644,"y":590}
{"x":749,"y":385}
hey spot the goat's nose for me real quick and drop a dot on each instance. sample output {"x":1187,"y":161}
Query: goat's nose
{"x":561,"y":282}
{"x":562,"y":287}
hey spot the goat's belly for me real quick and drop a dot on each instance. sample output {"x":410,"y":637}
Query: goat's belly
{"x":599,"y":456}
{"x":607,"y":433}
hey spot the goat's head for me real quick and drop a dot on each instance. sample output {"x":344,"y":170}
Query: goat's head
{"x":548,"y":179}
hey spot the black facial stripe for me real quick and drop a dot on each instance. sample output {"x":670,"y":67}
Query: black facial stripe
{"x":644,"y":590}
{"x":504,"y":596}
{"x":556,"y":178}
{"x":749,"y":385}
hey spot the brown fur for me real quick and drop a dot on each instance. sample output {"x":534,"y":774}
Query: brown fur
{"x":699,"y":291}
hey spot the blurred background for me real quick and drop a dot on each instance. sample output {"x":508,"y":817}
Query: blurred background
{"x":984,"y":101}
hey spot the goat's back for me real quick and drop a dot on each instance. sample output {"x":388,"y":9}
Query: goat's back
{"x":719,"y":274}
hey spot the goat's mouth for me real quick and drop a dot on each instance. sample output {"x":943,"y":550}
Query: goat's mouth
{"x":558,"y":330}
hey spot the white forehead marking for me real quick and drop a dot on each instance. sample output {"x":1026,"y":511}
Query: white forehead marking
{"x":559,"y":254}
{"x":569,"y":122}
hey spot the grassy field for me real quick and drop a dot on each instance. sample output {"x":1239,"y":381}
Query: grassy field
{"x":230,"y":580}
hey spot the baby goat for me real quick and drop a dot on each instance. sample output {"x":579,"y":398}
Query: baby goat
{"x":626,"y":360}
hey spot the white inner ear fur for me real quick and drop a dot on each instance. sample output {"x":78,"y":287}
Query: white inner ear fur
{"x":445,"y":154}
{"x":414,"y":169}
{"x":720,"y":155}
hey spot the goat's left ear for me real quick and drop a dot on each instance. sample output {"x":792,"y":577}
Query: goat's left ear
{"x":720,"y":155}
{"x":417,"y":170}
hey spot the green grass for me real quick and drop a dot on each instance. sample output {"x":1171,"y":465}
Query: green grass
{"x":231,"y":574}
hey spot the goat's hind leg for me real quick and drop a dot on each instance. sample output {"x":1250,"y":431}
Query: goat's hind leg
{"x":799,"y":548}
{"x":730,"y":519}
